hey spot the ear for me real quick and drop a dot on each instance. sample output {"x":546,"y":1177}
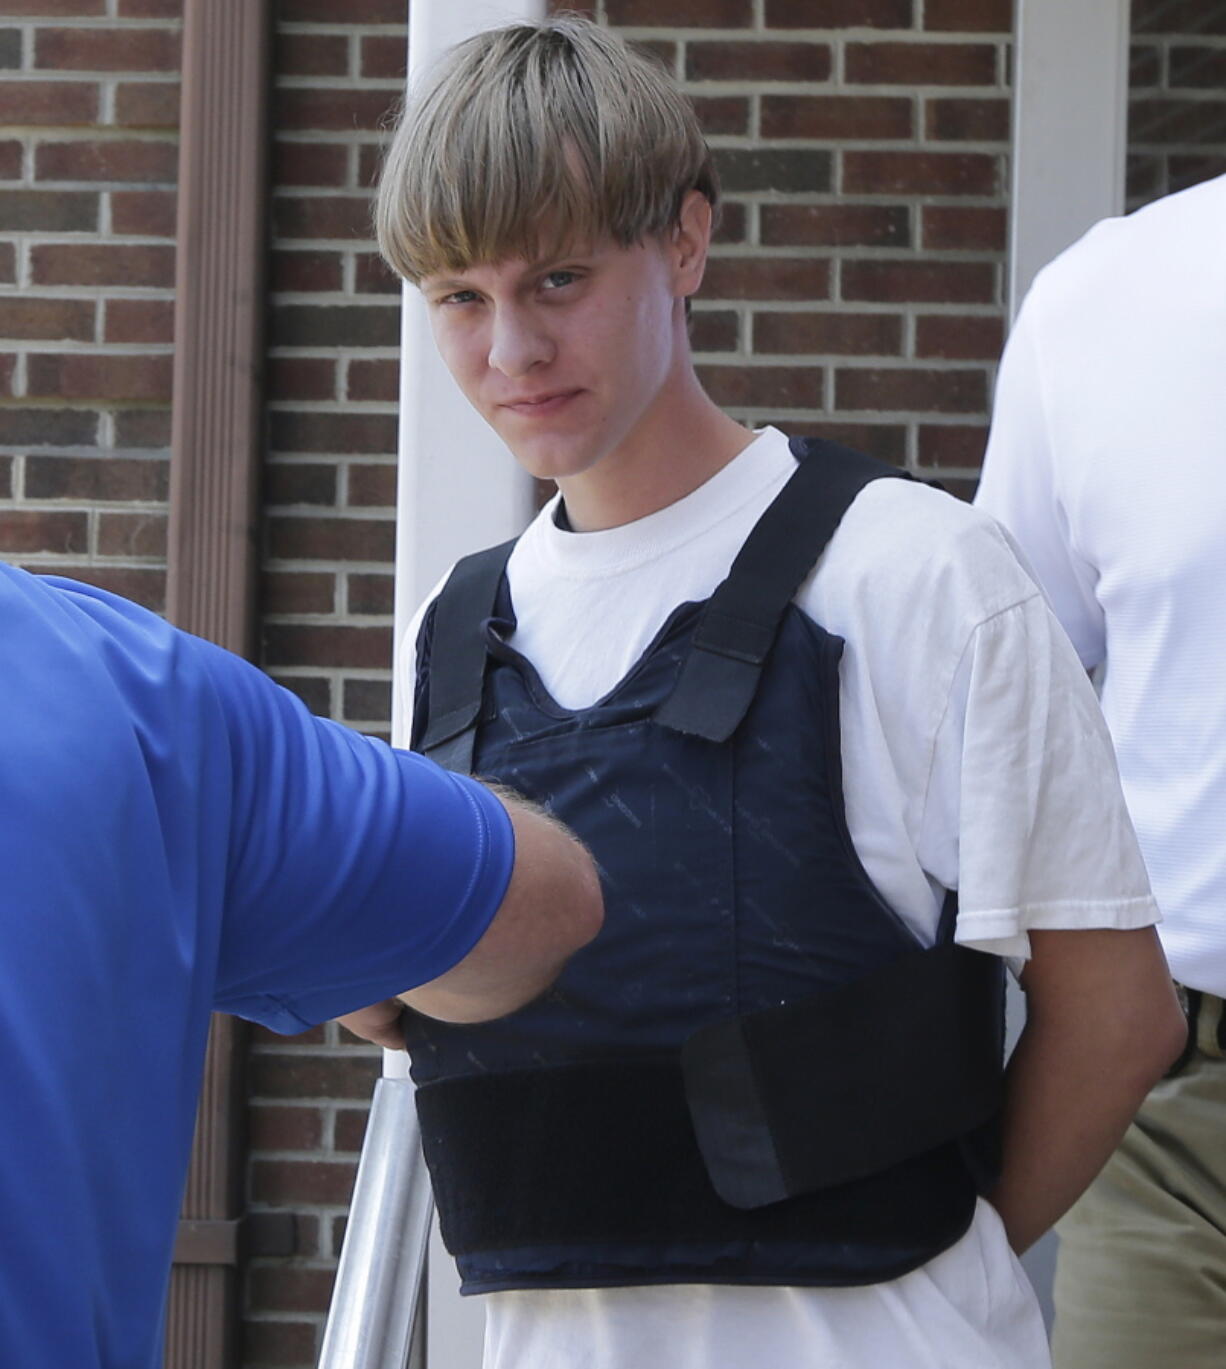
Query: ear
{"x":690,"y":242}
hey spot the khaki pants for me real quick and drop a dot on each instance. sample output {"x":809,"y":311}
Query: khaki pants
{"x":1141,"y":1274}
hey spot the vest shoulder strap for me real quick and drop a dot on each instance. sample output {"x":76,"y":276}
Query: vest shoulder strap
{"x":457,"y":656}
{"x":720,"y":674}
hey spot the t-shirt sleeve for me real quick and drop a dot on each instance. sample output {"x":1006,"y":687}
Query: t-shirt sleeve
{"x":355,"y":871}
{"x":1024,"y":813}
{"x":1020,"y":487}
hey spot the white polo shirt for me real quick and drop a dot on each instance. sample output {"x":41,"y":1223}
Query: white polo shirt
{"x":1107,"y":463}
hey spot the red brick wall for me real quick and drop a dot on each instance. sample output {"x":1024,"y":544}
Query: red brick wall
{"x":857,"y":288}
{"x":329,"y":543}
{"x":333,"y":342}
{"x":1176,"y":96}
{"x":88,"y":151}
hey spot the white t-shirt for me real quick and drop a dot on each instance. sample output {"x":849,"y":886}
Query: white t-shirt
{"x":975,"y":756}
{"x":1107,"y":463}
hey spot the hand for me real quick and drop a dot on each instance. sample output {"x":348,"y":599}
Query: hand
{"x":379,"y":1023}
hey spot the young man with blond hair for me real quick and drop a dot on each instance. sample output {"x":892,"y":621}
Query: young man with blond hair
{"x":791,"y":702}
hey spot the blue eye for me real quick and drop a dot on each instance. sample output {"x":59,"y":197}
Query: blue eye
{"x":459,"y":297}
{"x":555,"y":280}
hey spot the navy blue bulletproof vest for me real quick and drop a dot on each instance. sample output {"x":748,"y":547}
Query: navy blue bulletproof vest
{"x":754,"y":1074}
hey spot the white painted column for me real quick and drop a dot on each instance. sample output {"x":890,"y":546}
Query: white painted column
{"x":459,"y":487}
{"x":1070,"y":98}
{"x":459,"y":490}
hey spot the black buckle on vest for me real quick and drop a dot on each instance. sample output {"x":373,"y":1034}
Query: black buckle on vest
{"x":739,"y":639}
{"x":849,"y":1082}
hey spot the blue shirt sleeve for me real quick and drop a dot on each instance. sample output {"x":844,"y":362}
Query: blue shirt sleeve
{"x":355,"y":871}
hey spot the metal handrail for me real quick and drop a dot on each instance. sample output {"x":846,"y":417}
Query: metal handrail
{"x":378,"y":1280}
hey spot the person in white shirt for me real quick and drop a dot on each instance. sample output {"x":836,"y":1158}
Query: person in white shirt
{"x":552,"y":197}
{"x":1107,"y":463}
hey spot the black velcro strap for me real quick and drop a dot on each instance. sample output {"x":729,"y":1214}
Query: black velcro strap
{"x":843,"y":1084}
{"x":604,"y":1153}
{"x":734,"y":636}
{"x":457,"y":656}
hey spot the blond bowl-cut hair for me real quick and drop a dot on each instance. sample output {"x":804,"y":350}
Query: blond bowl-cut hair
{"x":530,"y":139}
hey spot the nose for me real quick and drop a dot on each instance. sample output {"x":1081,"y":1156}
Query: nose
{"x":517,"y":342}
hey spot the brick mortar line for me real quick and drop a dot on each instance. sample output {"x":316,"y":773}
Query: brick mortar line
{"x":1211,"y":149}
{"x":351,"y":351}
{"x":32,"y":23}
{"x":1192,"y":94}
{"x":30,"y":182}
{"x":374,"y":407}
{"x":364,"y":674}
{"x":86,"y":406}
{"x":740,"y":141}
{"x":355,"y":28}
{"x":328,"y":565}
{"x":95,"y":452}
{"x":853,"y":308}
{"x":852,"y":33}
{"x":35,"y":239}
{"x":327,"y":84}
{"x":333,"y":619}
{"x":387,"y":459}
{"x":813,"y":361}
{"x":699,"y":85}
{"x":826,"y":361}
{"x":82,"y":504}
{"x":87,"y":559}
{"x":17,"y":76}
{"x":333,"y":674}
{"x":324,"y":298}
{"x":95,"y":133}
{"x":79,"y":347}
{"x":875,"y":417}
{"x":1167,"y":37}
{"x":945,"y":256}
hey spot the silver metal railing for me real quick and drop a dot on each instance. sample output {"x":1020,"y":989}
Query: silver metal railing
{"x":372,"y":1319}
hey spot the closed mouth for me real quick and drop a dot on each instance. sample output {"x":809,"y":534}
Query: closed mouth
{"x":530,"y":405}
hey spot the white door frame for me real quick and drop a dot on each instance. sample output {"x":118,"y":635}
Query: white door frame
{"x":1070,"y":105}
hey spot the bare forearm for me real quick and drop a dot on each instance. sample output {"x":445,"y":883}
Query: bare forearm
{"x":479,"y":1004}
{"x":552,"y":907}
{"x":1066,"y":1111}
{"x":1095,"y":1043}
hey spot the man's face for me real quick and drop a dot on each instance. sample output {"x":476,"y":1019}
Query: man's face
{"x":563,"y":357}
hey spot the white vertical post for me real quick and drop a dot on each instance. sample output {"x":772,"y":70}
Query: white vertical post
{"x":459,"y":489}
{"x":1070,"y":99}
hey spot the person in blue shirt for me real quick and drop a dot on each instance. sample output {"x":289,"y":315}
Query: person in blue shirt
{"x":179,"y":835}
